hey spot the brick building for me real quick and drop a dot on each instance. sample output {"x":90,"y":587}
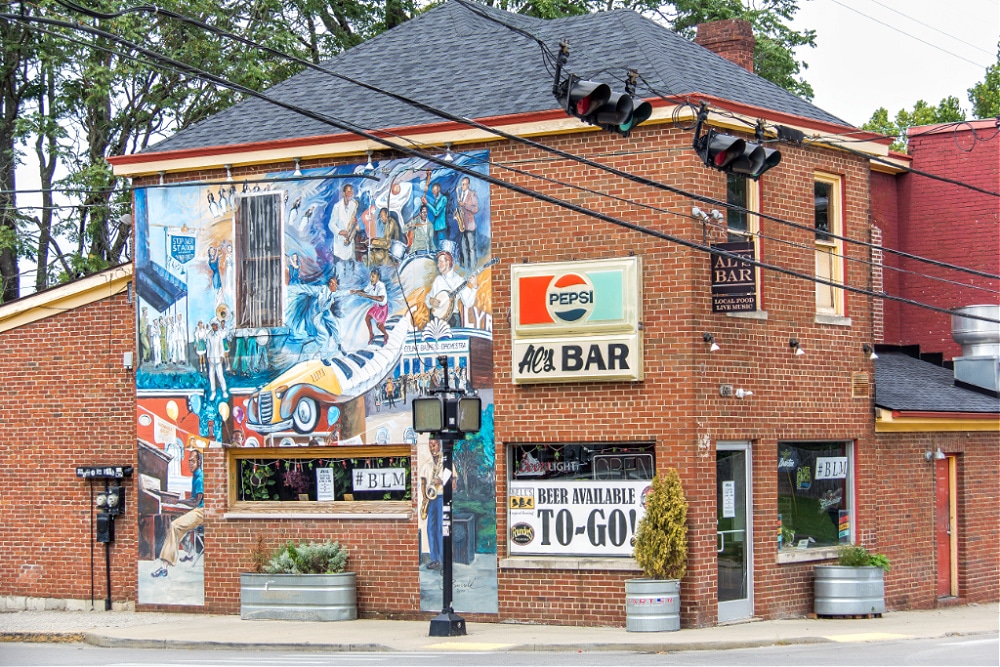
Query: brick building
{"x":257,"y":229}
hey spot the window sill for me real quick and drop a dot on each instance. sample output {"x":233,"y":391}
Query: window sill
{"x":391,"y":510}
{"x":571,"y":563}
{"x":835,"y":320}
{"x":749,"y":315}
{"x":806,"y":555}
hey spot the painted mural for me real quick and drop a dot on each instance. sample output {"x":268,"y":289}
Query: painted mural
{"x":309,"y":310}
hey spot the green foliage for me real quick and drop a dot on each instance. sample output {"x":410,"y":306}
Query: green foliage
{"x":661,"y":539}
{"x":308,"y":558}
{"x":947,"y":110}
{"x":855,"y":555}
{"x":985,"y":95}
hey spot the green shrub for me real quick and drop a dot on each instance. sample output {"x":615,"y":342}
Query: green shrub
{"x":661,"y":539}
{"x":855,"y":555}
{"x":308,"y":558}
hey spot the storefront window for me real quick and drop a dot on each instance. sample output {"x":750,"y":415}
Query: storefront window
{"x":815,"y":482}
{"x":325,"y":478}
{"x":577,"y":499}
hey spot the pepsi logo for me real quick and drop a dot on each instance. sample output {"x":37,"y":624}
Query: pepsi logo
{"x":570,"y":298}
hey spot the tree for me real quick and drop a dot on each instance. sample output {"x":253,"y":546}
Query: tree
{"x":985,"y":95}
{"x":948,"y":110}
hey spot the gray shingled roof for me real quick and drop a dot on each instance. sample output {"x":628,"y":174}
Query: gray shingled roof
{"x":905,"y":383}
{"x":453,"y":59}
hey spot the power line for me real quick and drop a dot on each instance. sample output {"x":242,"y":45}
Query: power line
{"x":928,"y":25}
{"x":903,"y":32}
{"x":441,"y":161}
{"x":472,"y":123}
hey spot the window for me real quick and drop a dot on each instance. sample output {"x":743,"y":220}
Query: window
{"x":323,"y":480}
{"x":577,"y":499}
{"x":815,"y":487}
{"x":259,"y":265}
{"x":828,"y":219}
{"x":742,"y":225}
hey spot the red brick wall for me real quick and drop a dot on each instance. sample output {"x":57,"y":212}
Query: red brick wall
{"x":65,"y":401}
{"x":948,"y":223}
{"x":905,"y":493}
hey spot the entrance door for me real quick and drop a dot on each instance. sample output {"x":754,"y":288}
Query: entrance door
{"x":733,"y":539}
{"x":945,"y":527}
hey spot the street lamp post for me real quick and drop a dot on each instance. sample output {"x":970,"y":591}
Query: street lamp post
{"x":444,"y":416}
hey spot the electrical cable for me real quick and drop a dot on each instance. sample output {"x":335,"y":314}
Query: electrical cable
{"x":500,"y":133}
{"x":903,"y":32}
{"x":928,"y":25}
{"x":354,"y":129}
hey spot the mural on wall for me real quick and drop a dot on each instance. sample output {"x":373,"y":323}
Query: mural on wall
{"x":310,"y":310}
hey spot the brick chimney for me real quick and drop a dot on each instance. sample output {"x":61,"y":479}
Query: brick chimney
{"x":730,"y":38}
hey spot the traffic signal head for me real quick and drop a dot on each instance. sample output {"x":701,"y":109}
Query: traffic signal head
{"x":623,"y":123}
{"x":583,"y":98}
{"x":735,"y":156}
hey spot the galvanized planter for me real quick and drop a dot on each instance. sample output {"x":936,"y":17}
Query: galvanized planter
{"x":299,"y":597}
{"x":849,"y":591}
{"x":652,"y":605}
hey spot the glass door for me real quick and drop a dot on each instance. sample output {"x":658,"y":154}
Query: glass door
{"x":734,"y":533}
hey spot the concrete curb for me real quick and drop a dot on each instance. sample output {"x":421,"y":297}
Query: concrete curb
{"x":43,"y":637}
{"x":104,"y":641}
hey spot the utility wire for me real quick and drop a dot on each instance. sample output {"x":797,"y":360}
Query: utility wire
{"x":441,"y":161}
{"x":928,"y":25}
{"x":497,"y":132}
{"x":903,"y":32}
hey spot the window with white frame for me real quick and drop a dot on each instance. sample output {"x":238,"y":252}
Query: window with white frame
{"x":815,"y":490}
{"x":741,"y":223}
{"x":829,"y":224}
{"x":259,"y":265}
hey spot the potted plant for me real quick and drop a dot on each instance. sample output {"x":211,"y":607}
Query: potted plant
{"x":855,"y":586}
{"x":652,"y":604}
{"x":300,"y":582}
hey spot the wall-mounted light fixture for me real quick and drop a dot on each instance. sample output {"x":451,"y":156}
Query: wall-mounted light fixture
{"x":796,"y":347}
{"x":298,"y":168}
{"x":369,"y":166}
{"x":869,"y":351}
{"x":447,"y":153}
{"x":742,"y":393}
{"x":161,"y":175}
{"x":709,"y":338}
{"x":229,"y":172}
{"x":934,"y":456}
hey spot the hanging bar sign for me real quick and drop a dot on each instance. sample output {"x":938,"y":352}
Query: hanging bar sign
{"x":734,"y":282}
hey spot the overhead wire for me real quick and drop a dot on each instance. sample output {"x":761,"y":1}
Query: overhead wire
{"x":355,"y":129}
{"x":903,"y":32}
{"x":496,"y":131}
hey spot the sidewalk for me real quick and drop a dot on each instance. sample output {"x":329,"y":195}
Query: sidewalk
{"x":165,"y":630}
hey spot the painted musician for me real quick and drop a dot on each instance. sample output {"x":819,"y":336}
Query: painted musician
{"x":450,"y":288}
{"x":379,"y":311}
{"x":344,"y":225}
{"x":432,"y":502}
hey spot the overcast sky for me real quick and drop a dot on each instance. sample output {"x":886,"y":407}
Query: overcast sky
{"x":863,"y":59}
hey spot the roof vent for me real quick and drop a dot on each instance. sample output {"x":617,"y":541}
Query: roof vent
{"x":730,"y":38}
{"x":979,"y":364}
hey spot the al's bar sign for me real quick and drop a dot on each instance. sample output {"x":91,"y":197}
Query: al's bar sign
{"x":577,"y":321}
{"x":580,"y":358}
{"x":734,"y":282}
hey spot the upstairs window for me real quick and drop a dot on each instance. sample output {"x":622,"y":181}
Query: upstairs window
{"x":828,"y":220}
{"x":259,"y":265}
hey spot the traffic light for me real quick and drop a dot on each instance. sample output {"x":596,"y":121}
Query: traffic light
{"x":595,"y":103}
{"x":582,"y":98}
{"x":732,"y":154}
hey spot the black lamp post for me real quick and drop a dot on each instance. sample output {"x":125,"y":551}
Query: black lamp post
{"x":444,"y":416}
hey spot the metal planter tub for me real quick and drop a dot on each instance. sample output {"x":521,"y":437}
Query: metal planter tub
{"x":299,"y":597}
{"x":652,"y":605}
{"x":849,"y":591}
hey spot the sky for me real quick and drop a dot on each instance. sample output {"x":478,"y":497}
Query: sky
{"x":863,"y":61}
